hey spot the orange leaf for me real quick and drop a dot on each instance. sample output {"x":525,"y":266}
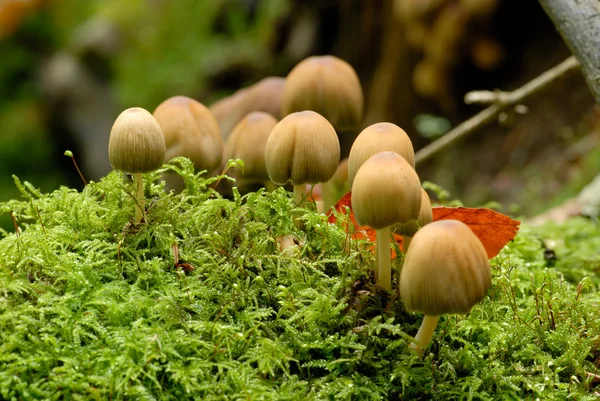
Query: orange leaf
{"x":493,"y":229}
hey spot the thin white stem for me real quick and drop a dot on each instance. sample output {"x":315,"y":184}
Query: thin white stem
{"x":139,"y":197}
{"x":425,"y":333}
{"x":299,"y":193}
{"x":383,"y":274}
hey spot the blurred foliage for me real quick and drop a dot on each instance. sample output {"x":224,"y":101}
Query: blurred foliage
{"x":165,"y":48}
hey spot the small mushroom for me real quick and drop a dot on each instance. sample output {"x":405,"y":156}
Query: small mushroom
{"x":136,"y":145}
{"x":265,"y":95}
{"x":408,"y":230}
{"x":190,"y":130}
{"x":247,"y":142}
{"x":376,"y":138}
{"x":446,"y":270}
{"x":336,"y":187}
{"x":302,"y":148}
{"x":386,"y":191}
{"x":328,"y":86}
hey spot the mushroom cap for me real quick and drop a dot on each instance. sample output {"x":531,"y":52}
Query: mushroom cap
{"x":265,"y":95}
{"x":446,"y":269}
{"x":190,"y":130}
{"x":425,"y":217}
{"x":303,"y":148}
{"x":339,"y":180}
{"x":386,"y":191}
{"x":248,"y":141}
{"x":136,"y":143}
{"x":327,"y":85}
{"x":376,"y":138}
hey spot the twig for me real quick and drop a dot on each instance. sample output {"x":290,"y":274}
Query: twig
{"x":17,"y":229}
{"x":502,"y":101}
{"x":70,"y":154}
{"x":592,"y":376}
{"x":40,"y":217}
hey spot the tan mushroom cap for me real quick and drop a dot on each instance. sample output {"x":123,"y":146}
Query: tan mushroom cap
{"x":446,"y":269}
{"x":248,"y":141}
{"x":265,"y":95}
{"x":327,"y":85}
{"x":376,"y":138}
{"x":386,"y":191}
{"x":425,"y":217}
{"x":303,"y":148}
{"x":190,"y":130}
{"x":136,"y":143}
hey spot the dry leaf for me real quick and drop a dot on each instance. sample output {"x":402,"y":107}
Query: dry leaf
{"x":493,"y":229}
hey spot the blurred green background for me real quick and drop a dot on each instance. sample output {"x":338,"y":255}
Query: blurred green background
{"x":67,"y":69}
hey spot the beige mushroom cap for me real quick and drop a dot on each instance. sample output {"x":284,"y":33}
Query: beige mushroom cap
{"x":446,"y":269}
{"x":425,"y":217}
{"x":386,"y":191}
{"x":303,"y":148}
{"x":265,"y":95}
{"x":136,"y":143}
{"x":248,"y":141}
{"x":327,"y":85}
{"x":190,"y":130}
{"x":376,"y":138}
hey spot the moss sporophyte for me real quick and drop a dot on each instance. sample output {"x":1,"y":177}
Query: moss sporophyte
{"x":199,"y":303}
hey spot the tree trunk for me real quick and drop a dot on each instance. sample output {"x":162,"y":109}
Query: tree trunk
{"x":578,"y":22}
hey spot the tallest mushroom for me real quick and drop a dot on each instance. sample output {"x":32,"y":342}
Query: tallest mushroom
{"x":328,"y":86}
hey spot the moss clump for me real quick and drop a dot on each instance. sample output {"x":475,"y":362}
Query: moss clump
{"x":92,"y":307}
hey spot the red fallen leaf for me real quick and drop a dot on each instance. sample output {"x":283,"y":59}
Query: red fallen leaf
{"x":493,"y":229}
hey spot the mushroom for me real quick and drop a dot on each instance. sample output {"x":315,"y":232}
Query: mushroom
{"x":336,"y":187}
{"x":408,"y":230}
{"x":136,"y":145}
{"x":386,"y":191}
{"x":327,"y":85}
{"x":376,"y":138}
{"x":302,"y":148}
{"x":446,"y":270}
{"x":247,"y":142}
{"x":265,"y":95}
{"x":190,"y":130}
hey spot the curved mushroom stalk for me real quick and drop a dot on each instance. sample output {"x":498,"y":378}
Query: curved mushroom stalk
{"x":424,"y":334}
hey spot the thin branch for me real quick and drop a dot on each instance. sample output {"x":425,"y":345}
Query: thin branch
{"x":501,"y":101}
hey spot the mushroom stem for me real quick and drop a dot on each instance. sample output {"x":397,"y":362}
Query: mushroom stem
{"x":383,"y":275}
{"x":299,"y":193}
{"x":140,"y":200}
{"x":424,"y":334}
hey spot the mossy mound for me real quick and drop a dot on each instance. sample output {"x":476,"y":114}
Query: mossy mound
{"x":200,"y":303}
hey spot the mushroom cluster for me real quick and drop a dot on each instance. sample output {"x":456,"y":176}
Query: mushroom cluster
{"x":287,"y":131}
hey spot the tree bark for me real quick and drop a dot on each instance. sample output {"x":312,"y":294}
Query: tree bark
{"x":578,"y":22}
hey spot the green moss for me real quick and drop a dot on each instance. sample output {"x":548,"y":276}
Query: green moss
{"x":92,"y":307}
